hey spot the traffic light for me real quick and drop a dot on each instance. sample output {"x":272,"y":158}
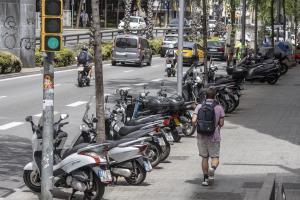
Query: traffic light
{"x":52,"y":25}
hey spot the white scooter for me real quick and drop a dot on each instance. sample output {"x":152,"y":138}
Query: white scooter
{"x":84,"y":168}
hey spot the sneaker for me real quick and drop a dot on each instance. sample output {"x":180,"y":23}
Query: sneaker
{"x":211,"y":176}
{"x":205,"y":182}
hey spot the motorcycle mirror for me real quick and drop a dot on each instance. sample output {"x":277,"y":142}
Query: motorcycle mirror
{"x":95,"y":120}
{"x":106,"y":98}
{"x":64,"y":116}
{"x":28,"y":118}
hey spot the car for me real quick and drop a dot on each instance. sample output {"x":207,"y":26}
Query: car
{"x":216,"y":49}
{"x":212,"y":24}
{"x":174,"y":23}
{"x":131,"y":49}
{"x":191,"y":49}
{"x":169,"y":42}
{"x":136,"y":22}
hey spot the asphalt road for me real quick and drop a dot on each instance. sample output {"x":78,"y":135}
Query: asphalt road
{"x":22,"y":96}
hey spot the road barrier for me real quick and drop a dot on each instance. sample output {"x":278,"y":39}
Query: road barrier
{"x":109,"y":35}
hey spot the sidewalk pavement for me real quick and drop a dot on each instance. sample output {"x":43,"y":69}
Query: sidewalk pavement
{"x":261,"y":137}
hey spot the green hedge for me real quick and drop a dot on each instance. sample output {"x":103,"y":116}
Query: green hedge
{"x":9,"y":63}
{"x":155,"y":45}
{"x":62,"y":58}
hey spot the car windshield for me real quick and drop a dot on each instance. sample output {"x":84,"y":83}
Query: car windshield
{"x":142,"y":20}
{"x":134,"y":20}
{"x":126,"y":43}
{"x":214,"y":43}
{"x":171,"y":38}
{"x":174,"y":22}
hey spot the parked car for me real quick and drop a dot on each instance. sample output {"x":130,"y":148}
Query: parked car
{"x":136,"y":22}
{"x":174,"y":23}
{"x":190,"y":50}
{"x":216,"y":49}
{"x":131,"y":49}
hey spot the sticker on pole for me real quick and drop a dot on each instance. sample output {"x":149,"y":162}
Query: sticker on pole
{"x":47,"y":103}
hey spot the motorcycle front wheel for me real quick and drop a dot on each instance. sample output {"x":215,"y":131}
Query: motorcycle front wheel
{"x":166,"y":153}
{"x":138,"y":175}
{"x":169,"y":73}
{"x":153,"y":153}
{"x":32,"y":180}
{"x":97,"y":191}
{"x":272,"y":79}
{"x":188,"y":128}
{"x":283,"y":69}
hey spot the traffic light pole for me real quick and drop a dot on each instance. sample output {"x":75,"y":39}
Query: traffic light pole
{"x":180,"y":48}
{"x":48,"y":121}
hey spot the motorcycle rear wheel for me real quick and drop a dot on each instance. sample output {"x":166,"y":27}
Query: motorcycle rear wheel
{"x":137,"y":179}
{"x":224,"y":104}
{"x":166,"y":153}
{"x":284,"y":69}
{"x":169,"y":73}
{"x":97,"y":191}
{"x":272,"y":80}
{"x":153,"y":153}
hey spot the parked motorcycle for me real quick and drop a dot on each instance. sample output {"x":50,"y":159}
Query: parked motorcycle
{"x":89,"y":174}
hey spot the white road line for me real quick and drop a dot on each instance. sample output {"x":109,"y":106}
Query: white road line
{"x":155,"y":66}
{"x":77,"y":103}
{"x":125,"y":88}
{"x":40,"y":114}
{"x":140,"y":84}
{"x":57,"y":85}
{"x":10,"y":125}
{"x":157,"y":80}
{"x":2,"y":97}
{"x":128,"y":71}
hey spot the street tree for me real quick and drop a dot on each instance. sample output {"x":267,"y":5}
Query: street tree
{"x":205,"y":36}
{"x":128,"y":6}
{"x":100,"y":127}
{"x":232,"y":30}
{"x":78,"y":13}
{"x":196,"y":18}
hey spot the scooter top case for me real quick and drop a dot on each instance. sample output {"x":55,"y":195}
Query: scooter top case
{"x":157,"y":104}
{"x":176,"y":103}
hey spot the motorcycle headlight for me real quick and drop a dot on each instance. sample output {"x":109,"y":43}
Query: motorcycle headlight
{"x":83,"y":128}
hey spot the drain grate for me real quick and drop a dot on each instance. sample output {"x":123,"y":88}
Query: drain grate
{"x":178,"y":157}
{"x":291,"y":186}
{"x":217,"y":196}
{"x":252,"y":185}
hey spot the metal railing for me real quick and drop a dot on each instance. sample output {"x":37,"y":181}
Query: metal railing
{"x":109,"y":35}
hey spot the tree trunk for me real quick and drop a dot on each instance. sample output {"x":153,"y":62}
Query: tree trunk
{"x":296,"y":21}
{"x":195,"y":19}
{"x":100,"y":127}
{"x":284,"y":20}
{"x":255,"y":26}
{"x":67,"y":4}
{"x":204,"y":27}
{"x":78,"y":13}
{"x":149,"y":28}
{"x":159,"y":5}
{"x":232,"y":33}
{"x":128,"y":4}
{"x":272,"y":23}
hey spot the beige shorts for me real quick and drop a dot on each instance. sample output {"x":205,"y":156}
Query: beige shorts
{"x":208,"y":149}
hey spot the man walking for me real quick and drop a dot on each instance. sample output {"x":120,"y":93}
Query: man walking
{"x":209,"y":118}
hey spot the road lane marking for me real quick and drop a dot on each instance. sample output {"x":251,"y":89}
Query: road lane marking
{"x":128,"y":71}
{"x":157,"y":80}
{"x":40,"y":114}
{"x":140,"y":84}
{"x":10,"y":125}
{"x":2,"y":97}
{"x":57,"y":85}
{"x":77,"y":103}
{"x":155,"y":66}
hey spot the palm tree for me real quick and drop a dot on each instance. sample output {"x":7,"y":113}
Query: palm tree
{"x":233,"y":31}
{"x":272,"y":23}
{"x":255,"y":25}
{"x":204,"y":28}
{"x":196,"y":21}
{"x":147,"y":6}
{"x":128,"y":6}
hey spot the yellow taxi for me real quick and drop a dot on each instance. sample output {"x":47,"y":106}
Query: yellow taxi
{"x":191,"y":49}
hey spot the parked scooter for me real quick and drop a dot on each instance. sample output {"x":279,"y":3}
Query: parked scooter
{"x":89,"y":174}
{"x":171,"y":63}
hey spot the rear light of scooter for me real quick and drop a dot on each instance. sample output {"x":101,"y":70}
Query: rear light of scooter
{"x":166,"y":122}
{"x":142,"y":148}
{"x":93,"y":155}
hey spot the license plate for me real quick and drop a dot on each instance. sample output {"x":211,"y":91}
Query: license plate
{"x":213,"y":50}
{"x":147,"y":165}
{"x":227,"y":97}
{"x":236,"y":97}
{"x":161,"y":142}
{"x":177,"y":122}
{"x":105,"y":176}
{"x":169,"y":65}
{"x":169,"y":137}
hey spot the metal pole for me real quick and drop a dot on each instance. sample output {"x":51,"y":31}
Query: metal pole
{"x":180,"y":48}
{"x":48,"y":120}
{"x":243,"y":28}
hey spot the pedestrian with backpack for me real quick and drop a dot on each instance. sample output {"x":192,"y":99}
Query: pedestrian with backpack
{"x":209,"y":119}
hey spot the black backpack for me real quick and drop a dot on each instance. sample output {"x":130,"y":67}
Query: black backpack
{"x":206,"y":118}
{"x":82,"y":57}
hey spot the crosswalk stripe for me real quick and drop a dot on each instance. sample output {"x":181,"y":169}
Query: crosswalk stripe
{"x":10,"y":125}
{"x":77,"y":103}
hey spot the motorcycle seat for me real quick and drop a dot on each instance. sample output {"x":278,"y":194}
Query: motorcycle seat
{"x":125,"y":130}
{"x":144,"y":120}
{"x":74,"y":150}
{"x":138,"y":134}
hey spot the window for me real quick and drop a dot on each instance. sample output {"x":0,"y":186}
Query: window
{"x":134,"y":19}
{"x":126,"y":43}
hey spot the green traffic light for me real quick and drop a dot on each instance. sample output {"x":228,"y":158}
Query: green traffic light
{"x":53,"y":43}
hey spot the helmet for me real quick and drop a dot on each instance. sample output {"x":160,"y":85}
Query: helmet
{"x":84,"y":48}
